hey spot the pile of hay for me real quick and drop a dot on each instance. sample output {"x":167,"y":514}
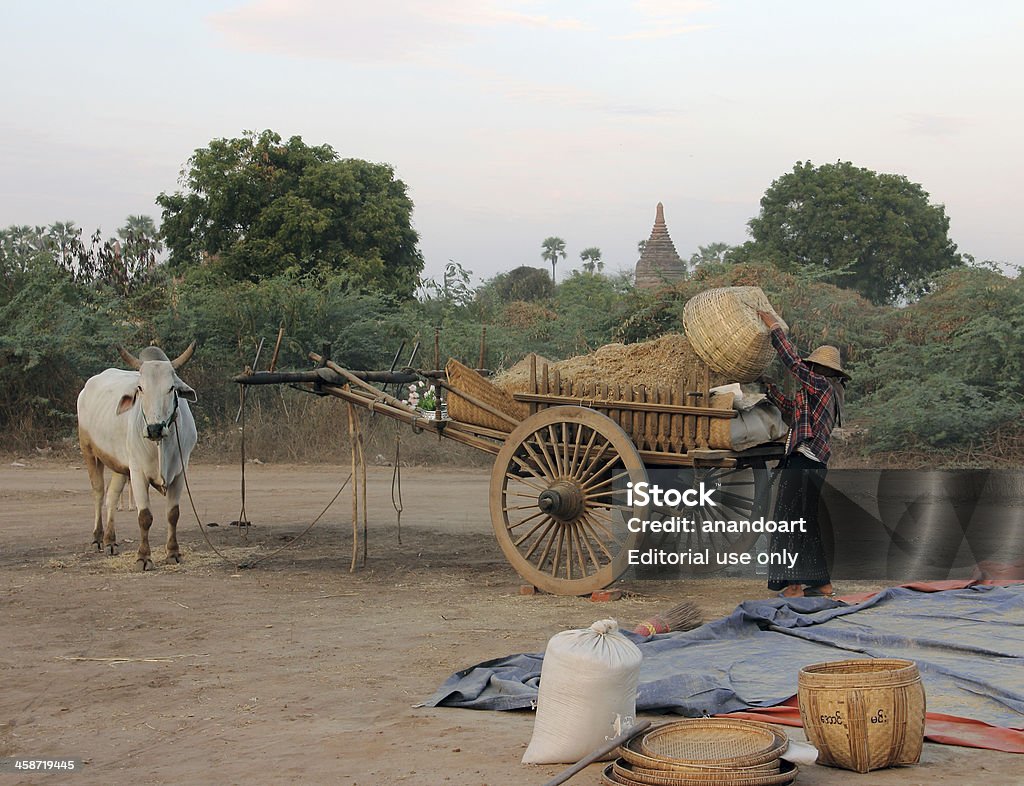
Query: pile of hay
{"x":664,"y":362}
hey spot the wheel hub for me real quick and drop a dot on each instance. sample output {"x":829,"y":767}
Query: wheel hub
{"x":562,"y":501}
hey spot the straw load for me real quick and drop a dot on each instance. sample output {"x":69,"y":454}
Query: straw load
{"x":665,"y":362}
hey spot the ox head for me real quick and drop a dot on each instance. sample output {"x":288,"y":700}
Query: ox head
{"x":159,"y":388}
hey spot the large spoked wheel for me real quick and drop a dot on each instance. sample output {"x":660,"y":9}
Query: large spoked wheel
{"x":739,"y":493}
{"x":559,"y":503}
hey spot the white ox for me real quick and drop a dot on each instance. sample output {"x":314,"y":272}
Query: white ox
{"x":138,"y":424}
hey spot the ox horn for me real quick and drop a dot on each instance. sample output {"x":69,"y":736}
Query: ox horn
{"x":184,"y":357}
{"x":129,"y":358}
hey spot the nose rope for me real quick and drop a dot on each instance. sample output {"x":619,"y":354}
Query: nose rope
{"x":163,"y":423}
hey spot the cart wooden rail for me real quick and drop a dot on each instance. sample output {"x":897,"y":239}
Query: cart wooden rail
{"x":560,"y":486}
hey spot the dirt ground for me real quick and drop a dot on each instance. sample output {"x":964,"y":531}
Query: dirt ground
{"x":297,"y":670}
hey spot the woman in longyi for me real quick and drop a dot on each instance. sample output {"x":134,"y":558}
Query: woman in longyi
{"x":812,"y":413}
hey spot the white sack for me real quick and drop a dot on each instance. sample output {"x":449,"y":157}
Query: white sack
{"x":587,"y":693}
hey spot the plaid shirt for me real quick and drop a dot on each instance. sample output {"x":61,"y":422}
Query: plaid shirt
{"x":810,"y":412}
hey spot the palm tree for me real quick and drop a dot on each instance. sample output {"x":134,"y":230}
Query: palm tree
{"x":140,"y":225}
{"x":640,"y":246}
{"x":64,"y":234}
{"x":554,"y":247}
{"x":713,"y":252}
{"x":591,"y":257}
{"x":142,"y":244}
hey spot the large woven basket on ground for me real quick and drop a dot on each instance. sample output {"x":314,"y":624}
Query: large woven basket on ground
{"x":863,"y":715}
{"x":724,"y":330}
{"x":463,"y":378}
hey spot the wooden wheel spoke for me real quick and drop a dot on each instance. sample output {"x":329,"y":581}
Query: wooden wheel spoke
{"x":581,"y":542}
{"x":598,"y":524}
{"x":527,"y":466}
{"x":604,"y":468}
{"x":565,"y":448}
{"x":575,"y":451}
{"x":590,"y":527}
{"x":583,"y":470}
{"x":556,"y":450}
{"x":599,"y":494}
{"x":736,"y":501}
{"x":586,"y":451}
{"x":545,"y":458}
{"x":570,"y":538}
{"x":525,"y":481}
{"x":522,"y":494}
{"x":587,"y":535}
{"x":508,"y":508}
{"x":550,"y":523}
{"x":603,"y":483}
{"x":522,"y":538}
{"x":520,"y":523}
{"x":557,"y":559}
{"x":610,"y":506}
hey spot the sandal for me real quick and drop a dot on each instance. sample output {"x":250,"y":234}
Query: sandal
{"x":814,"y":592}
{"x":783,"y":594}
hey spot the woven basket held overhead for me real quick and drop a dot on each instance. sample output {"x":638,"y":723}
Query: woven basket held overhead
{"x":725,"y":331}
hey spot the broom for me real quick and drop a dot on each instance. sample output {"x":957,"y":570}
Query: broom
{"x":682,"y":616}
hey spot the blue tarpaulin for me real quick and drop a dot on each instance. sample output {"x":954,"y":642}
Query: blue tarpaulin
{"x":968,"y":644}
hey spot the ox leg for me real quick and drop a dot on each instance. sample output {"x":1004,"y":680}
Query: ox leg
{"x":117,"y":481}
{"x":95,"y":469}
{"x":173,"y":511}
{"x":141,"y":491}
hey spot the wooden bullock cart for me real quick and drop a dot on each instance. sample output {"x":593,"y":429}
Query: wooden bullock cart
{"x":565,"y":453}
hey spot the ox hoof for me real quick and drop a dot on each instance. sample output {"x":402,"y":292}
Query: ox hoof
{"x":112,"y":549}
{"x":143,"y":564}
{"x":98,"y":544}
{"x":174,"y":559}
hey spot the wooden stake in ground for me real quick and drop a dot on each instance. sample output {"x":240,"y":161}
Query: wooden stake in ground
{"x":360,"y":443}
{"x":355,"y":486}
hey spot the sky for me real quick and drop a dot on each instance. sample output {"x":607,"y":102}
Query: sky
{"x":511,"y":121}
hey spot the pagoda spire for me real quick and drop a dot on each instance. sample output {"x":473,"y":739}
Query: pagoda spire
{"x":659,"y":263}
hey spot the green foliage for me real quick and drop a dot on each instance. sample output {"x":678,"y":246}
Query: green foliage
{"x":256,"y":207}
{"x":938,"y":375}
{"x":51,"y":332}
{"x":521,"y":283}
{"x":951,"y":366}
{"x":875,"y":233}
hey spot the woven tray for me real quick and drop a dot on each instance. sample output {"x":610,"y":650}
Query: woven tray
{"x":721,"y":741}
{"x":618,"y":773}
{"x":726,"y":333}
{"x":636,"y":758}
{"x":466,"y":379}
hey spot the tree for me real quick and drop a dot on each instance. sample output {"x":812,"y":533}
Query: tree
{"x":591,"y":258}
{"x":256,"y":206}
{"x":641,"y":246}
{"x":520,"y":283}
{"x":711,"y":253}
{"x":875,"y":233}
{"x":554,"y":247}
{"x":141,"y":245}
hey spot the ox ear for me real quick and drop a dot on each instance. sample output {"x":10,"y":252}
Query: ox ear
{"x":186,"y":392}
{"x":126,"y":403}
